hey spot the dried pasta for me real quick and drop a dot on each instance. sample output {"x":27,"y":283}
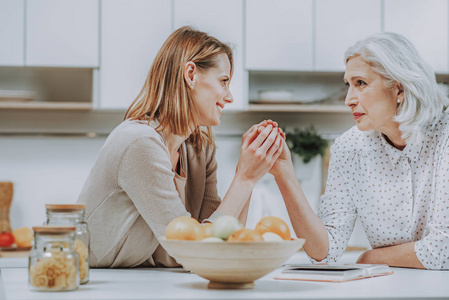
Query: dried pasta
{"x":56,"y":271}
{"x":82,"y":251}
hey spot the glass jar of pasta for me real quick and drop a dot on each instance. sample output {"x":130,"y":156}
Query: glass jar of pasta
{"x":53,"y":262}
{"x":73,"y":215}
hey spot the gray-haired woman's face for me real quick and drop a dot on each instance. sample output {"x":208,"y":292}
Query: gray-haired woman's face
{"x":373,"y":105}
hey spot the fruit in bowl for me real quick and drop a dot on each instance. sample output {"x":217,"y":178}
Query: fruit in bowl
{"x":225,"y":226}
{"x":184,"y":228}
{"x":274,"y":225}
{"x":244,"y":257}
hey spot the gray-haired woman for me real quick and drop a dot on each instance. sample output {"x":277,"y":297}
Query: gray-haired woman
{"x":391,"y":170}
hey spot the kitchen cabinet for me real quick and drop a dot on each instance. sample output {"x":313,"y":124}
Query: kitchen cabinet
{"x":267,"y":35}
{"x":11,"y":32}
{"x":223,"y":20}
{"x":339,"y":24}
{"x":425,"y":24}
{"x":279,"y":35}
{"x":46,"y":88}
{"x":62,"y":33}
{"x":131,"y":34}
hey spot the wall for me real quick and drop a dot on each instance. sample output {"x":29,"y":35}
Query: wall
{"x":53,"y":168}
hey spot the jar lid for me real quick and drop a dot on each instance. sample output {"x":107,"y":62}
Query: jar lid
{"x":65,"y":207}
{"x":54,"y":229}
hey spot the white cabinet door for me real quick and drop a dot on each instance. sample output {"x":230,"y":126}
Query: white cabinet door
{"x":131,"y":34}
{"x":62,"y":33}
{"x":11,"y":32}
{"x":339,"y":24}
{"x":223,"y":20}
{"x":425,"y":24}
{"x":279,"y":35}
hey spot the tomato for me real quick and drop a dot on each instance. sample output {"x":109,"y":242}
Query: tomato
{"x":6,"y":239}
{"x":274,"y":225}
{"x":245,"y":235}
{"x":184,"y":228}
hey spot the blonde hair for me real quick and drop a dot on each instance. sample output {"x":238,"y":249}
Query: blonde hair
{"x":165,"y":96}
{"x":393,"y":57}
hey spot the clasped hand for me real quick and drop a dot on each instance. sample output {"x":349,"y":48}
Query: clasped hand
{"x":262,"y":146}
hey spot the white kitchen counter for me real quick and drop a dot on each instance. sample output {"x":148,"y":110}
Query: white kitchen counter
{"x":14,"y":262}
{"x":178,"y":284}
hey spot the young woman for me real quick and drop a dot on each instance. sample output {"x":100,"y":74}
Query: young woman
{"x":391,"y":170}
{"x":159,"y":164}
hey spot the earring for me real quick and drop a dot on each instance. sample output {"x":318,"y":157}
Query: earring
{"x":399,"y":101}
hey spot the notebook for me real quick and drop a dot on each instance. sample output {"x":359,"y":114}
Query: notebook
{"x":331,"y":272}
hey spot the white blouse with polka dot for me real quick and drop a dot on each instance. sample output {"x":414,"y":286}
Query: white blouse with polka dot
{"x":400,"y":196}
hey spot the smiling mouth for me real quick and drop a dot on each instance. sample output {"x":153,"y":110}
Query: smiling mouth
{"x":357,"y":115}
{"x":220,"y":108}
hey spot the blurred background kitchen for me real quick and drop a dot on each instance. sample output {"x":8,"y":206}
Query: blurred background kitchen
{"x":69,"y":69}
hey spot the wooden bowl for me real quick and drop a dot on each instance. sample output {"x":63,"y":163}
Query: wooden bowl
{"x":231,"y":265}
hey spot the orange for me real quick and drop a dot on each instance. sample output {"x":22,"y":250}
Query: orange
{"x":275,"y":225}
{"x":184,"y":228}
{"x":245,"y":235}
{"x":23,"y":236}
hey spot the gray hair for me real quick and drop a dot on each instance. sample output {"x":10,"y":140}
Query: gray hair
{"x":393,"y":57}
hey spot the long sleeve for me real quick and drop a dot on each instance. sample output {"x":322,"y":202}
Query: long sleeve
{"x":145,"y":175}
{"x":131,"y":196}
{"x":211,"y":199}
{"x":337,"y":211}
{"x":433,"y":249}
{"x":401,"y":196}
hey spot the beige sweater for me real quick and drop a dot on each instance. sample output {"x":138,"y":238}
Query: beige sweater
{"x":130,"y":196}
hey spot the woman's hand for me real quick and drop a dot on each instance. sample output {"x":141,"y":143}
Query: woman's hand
{"x":263,"y":124}
{"x":258,"y":152}
{"x":284,"y":160}
{"x":283,"y":163}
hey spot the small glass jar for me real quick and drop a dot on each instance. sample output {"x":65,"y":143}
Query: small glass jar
{"x":73,"y":215}
{"x":53,"y":263}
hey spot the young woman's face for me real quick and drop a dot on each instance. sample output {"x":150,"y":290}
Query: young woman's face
{"x":211,"y":92}
{"x":372,"y":103}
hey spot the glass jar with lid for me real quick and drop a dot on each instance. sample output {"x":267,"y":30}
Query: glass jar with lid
{"x":73,"y":215}
{"x":53,"y":262}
